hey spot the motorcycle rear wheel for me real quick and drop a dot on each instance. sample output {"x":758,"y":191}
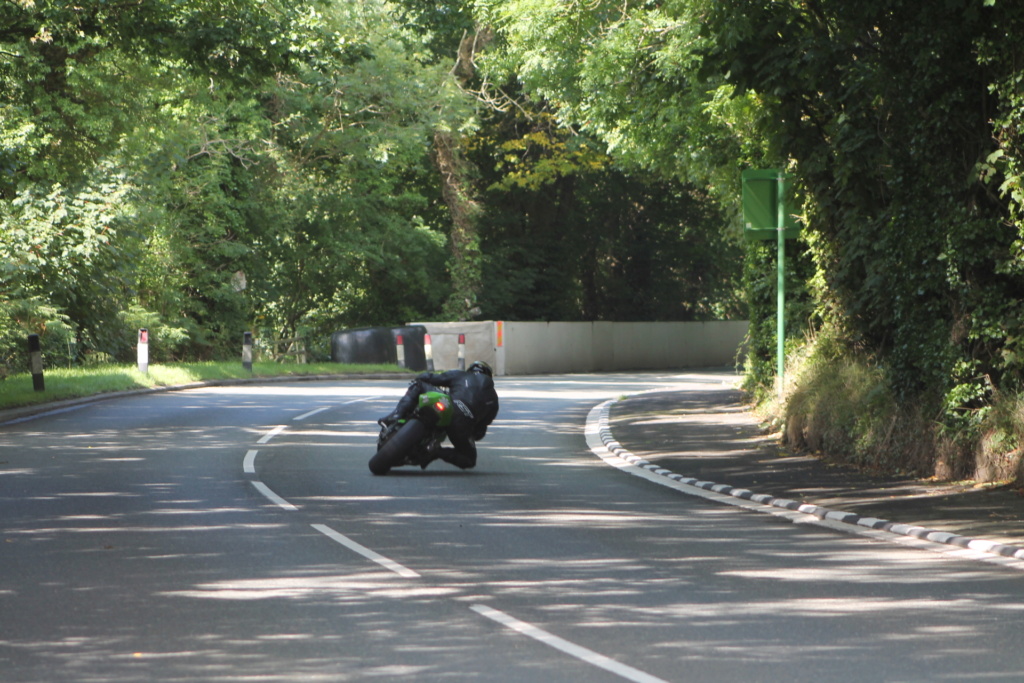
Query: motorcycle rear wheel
{"x":393,"y":453}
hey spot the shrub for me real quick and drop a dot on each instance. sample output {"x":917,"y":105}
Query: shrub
{"x":21,"y":317}
{"x":841,"y":406}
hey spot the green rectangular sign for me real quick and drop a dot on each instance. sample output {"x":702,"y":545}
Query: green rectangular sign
{"x":761,"y":206}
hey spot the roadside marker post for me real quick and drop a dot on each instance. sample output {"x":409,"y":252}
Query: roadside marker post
{"x":247,"y":351}
{"x":428,"y":351}
{"x":35,"y":353}
{"x":143,"y":350}
{"x":400,"y":350}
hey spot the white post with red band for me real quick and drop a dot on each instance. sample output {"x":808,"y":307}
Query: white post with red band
{"x":400,"y":350}
{"x":428,"y":351}
{"x":143,"y":350}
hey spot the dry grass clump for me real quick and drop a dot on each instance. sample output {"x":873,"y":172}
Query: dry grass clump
{"x":841,"y":407}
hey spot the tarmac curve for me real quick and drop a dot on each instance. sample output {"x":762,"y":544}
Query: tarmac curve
{"x":602,"y":443}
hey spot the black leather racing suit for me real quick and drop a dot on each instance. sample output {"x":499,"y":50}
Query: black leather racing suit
{"x":476,"y":406}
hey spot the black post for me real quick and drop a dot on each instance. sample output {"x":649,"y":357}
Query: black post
{"x":35,"y":353}
{"x":247,"y":351}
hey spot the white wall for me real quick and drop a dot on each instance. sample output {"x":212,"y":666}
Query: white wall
{"x":528,"y":348}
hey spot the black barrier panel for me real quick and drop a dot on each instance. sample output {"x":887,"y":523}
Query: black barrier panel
{"x":378,"y":345}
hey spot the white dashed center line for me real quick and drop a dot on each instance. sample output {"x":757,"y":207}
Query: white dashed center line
{"x":562,"y":645}
{"x":365,"y":552}
{"x":311,"y":413}
{"x":579,"y":652}
{"x":271,"y":434}
{"x":273,"y":497}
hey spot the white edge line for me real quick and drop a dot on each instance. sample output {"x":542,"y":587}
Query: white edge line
{"x":272,"y":433}
{"x":249,"y":462}
{"x":273,"y":497}
{"x":577,"y":651}
{"x":365,"y":552}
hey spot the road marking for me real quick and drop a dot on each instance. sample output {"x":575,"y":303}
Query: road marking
{"x":249,"y":462}
{"x":365,"y":552}
{"x":311,"y":413}
{"x":320,"y":410}
{"x":273,"y":497}
{"x":272,"y":433}
{"x":572,"y":649}
{"x":614,"y":454}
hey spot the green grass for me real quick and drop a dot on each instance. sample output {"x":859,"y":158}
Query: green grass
{"x":67,"y":383}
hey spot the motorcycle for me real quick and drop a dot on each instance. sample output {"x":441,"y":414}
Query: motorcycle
{"x":414,"y":440}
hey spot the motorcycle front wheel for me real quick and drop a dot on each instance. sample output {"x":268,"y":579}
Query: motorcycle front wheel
{"x":393,"y":452}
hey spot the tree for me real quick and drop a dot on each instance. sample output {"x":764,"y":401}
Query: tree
{"x":898,"y":121}
{"x":568,"y":235}
{"x":279,"y":146}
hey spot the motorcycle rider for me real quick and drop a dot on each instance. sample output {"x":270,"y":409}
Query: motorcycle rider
{"x":476,"y":402}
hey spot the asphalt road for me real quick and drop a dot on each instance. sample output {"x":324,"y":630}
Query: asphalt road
{"x":236,"y":534}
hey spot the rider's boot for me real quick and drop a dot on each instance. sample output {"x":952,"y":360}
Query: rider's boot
{"x":455,"y":457}
{"x":404,"y":407}
{"x":390,"y":419}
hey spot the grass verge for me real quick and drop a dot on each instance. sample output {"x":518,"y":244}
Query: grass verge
{"x":66,"y":383}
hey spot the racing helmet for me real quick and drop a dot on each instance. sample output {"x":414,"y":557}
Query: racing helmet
{"x":480,"y":366}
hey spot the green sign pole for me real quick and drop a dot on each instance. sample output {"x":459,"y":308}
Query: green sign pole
{"x":765,"y":218}
{"x":780,"y":341}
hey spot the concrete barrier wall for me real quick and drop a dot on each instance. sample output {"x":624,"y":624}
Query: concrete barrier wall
{"x":528,"y":348}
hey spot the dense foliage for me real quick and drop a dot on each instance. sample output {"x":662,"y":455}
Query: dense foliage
{"x":901,"y":124}
{"x":209,"y":166}
{"x":206,"y":167}
{"x":898,"y":118}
